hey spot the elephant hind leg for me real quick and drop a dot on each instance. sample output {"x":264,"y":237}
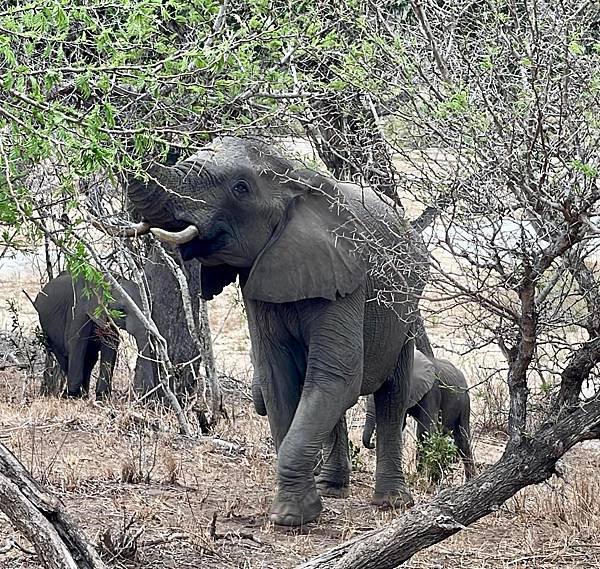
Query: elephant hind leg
{"x":334,"y":479}
{"x":90,"y":360}
{"x":82,"y":358}
{"x":427,"y":415}
{"x":391,"y":401}
{"x":462,"y":439}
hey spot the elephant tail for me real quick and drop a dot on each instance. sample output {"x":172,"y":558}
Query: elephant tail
{"x":367,"y":438}
{"x":369,"y":427}
{"x":429,"y":214}
{"x":258,"y":399}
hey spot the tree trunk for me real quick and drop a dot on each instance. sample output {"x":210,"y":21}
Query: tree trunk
{"x":530,"y":462}
{"x":184,"y":325}
{"x":209,"y":363}
{"x":40,"y":518}
{"x":169,"y":316}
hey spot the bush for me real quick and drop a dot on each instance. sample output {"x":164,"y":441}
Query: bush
{"x":436,"y":453}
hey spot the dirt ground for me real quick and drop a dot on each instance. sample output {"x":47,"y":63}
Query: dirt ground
{"x":151,"y":498}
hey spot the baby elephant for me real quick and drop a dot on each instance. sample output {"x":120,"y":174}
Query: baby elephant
{"x":76,"y":331}
{"x":439,"y":396}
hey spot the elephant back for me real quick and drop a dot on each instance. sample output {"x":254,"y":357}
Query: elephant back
{"x":449,"y":374}
{"x":398,"y":265}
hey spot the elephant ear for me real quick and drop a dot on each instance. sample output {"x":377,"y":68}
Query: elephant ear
{"x":312,"y":254}
{"x":214,"y":278}
{"x":422,"y":379}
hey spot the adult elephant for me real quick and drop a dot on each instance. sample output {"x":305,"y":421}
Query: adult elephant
{"x":330,"y":275}
{"x":77,"y":332}
{"x":439,"y":398}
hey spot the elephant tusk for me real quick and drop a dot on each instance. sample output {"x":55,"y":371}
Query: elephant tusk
{"x":175,"y":237}
{"x":134,"y":230}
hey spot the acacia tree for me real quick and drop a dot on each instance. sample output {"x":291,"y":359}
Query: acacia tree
{"x":490,"y":105}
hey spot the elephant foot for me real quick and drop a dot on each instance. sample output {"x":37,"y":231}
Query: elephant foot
{"x":398,"y":499}
{"x":294,"y":509}
{"x":334,"y":484}
{"x":330,"y":489}
{"x":102,"y":395}
{"x":73,"y":394}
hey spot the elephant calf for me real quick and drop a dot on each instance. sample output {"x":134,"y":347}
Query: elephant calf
{"x":439,"y":396}
{"x":76,"y":333}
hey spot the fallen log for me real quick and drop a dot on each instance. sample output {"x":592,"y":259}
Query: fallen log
{"x":41,"y":518}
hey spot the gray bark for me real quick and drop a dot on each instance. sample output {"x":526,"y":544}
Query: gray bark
{"x":182,"y":316}
{"x":159,"y":343}
{"x":168,"y":312}
{"x":39,"y":516}
{"x":53,"y":379}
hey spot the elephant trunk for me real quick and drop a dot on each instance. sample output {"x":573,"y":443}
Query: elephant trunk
{"x":369,"y":427}
{"x":159,"y":197}
{"x":257,"y":398}
{"x":151,"y":198}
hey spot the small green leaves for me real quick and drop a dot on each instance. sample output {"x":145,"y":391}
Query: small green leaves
{"x":576,"y":48}
{"x":437,"y":453}
{"x":585,"y":168}
{"x":455,"y":104}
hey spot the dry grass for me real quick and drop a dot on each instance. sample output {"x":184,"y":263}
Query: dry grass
{"x":151,"y":498}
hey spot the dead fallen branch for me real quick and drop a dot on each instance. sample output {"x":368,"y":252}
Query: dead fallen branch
{"x":39,"y":516}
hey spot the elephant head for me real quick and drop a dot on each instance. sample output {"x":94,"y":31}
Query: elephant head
{"x":244,"y":210}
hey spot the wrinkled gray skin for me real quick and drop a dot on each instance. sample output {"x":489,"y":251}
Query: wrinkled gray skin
{"x":76,"y":335}
{"x":295,"y":239}
{"x":438,"y":397}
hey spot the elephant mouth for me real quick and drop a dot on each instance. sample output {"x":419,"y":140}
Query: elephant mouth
{"x":189,"y":239}
{"x":203,"y":248}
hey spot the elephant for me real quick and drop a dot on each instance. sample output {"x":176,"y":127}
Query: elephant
{"x":330,"y":274}
{"x":439,"y":396}
{"x":76,"y":332}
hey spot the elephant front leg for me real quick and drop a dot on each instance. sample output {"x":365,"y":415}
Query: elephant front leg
{"x":427,"y":416}
{"x":297,"y":501}
{"x":332,"y":384}
{"x":333,"y":480}
{"x":108,"y":358}
{"x":390,"y":407}
{"x":279,"y":365}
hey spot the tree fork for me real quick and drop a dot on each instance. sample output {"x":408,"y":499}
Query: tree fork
{"x":530,"y":462}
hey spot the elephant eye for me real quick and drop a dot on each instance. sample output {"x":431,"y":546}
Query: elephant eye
{"x":241,"y":187}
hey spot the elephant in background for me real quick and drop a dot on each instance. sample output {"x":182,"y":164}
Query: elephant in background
{"x":330,"y":274}
{"x":439,"y":397}
{"x":76,"y":333}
